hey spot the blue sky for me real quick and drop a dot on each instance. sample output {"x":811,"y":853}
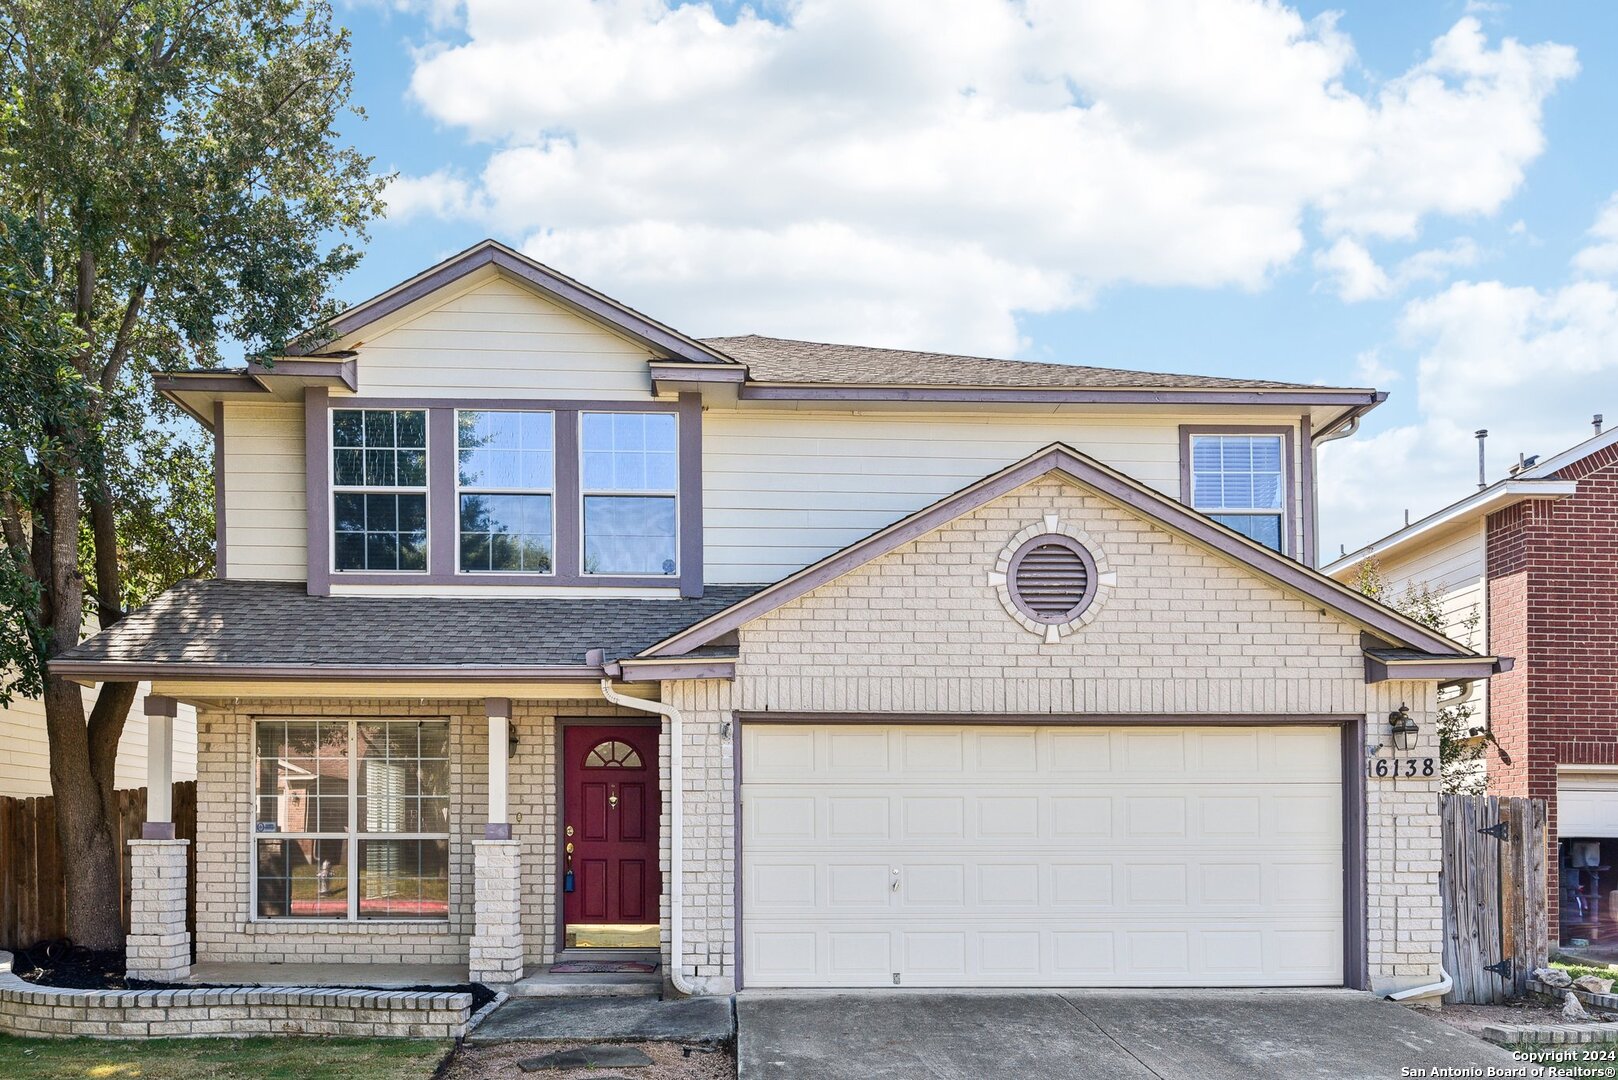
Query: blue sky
{"x":1399,"y":194}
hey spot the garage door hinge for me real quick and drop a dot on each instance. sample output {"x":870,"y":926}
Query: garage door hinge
{"x":1502,"y":969}
{"x":1497,"y":830}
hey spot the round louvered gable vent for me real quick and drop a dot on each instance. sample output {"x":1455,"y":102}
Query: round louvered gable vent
{"x":1052,"y":578}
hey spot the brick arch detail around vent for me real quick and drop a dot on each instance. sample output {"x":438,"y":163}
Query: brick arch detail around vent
{"x":1098,"y":588}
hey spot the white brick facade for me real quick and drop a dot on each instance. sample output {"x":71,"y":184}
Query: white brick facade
{"x":1183,"y":632}
{"x":159,"y":946}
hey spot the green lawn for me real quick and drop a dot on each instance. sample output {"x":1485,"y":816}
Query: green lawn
{"x":221,"y":1059}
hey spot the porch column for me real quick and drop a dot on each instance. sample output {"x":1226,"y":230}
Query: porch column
{"x":159,"y":946}
{"x":496,"y":954}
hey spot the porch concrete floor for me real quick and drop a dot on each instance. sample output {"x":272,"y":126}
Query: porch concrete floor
{"x":613,"y":1019}
{"x":382,"y":976}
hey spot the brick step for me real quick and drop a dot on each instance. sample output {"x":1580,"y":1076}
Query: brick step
{"x":544,"y":984}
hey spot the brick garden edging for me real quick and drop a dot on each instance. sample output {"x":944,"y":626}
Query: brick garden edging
{"x":56,"y":1012}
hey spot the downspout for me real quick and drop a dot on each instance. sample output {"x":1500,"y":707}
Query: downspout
{"x":677,"y":815}
{"x":1437,"y":989}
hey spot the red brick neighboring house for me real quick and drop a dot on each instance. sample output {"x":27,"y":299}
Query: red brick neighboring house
{"x":1536,"y":557}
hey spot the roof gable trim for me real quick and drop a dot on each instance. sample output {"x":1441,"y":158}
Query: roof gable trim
{"x":1087,"y":472}
{"x":573,"y":295}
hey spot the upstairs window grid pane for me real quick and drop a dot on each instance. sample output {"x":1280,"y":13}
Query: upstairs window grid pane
{"x":379,"y":481}
{"x":1240,"y":482}
{"x":506,"y":467}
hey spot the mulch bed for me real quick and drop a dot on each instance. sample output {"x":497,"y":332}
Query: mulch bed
{"x":72,"y":967}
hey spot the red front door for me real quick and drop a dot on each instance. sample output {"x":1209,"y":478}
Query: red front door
{"x":611,"y":804}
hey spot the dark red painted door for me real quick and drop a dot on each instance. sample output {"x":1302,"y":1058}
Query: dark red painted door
{"x":612,"y":803}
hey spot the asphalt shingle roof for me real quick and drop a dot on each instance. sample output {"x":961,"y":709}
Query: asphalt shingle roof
{"x":782,"y":360}
{"x":258,"y":622}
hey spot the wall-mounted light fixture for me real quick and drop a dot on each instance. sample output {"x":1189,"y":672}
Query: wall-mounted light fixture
{"x":1402,"y":729}
{"x":511,"y":740}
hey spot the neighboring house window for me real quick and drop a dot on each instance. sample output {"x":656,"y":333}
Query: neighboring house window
{"x":506,"y":471}
{"x":1239,"y":480}
{"x":628,"y":477}
{"x":379,"y":489}
{"x":351,"y":819}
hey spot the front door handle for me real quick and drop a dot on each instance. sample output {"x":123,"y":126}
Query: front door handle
{"x":895,"y":879}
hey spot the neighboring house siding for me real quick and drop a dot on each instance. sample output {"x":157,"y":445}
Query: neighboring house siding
{"x":1553,"y":588}
{"x":25,"y":764}
{"x":265,"y":510}
{"x":1451,"y":564}
{"x":782,"y":490}
{"x":501,"y":340}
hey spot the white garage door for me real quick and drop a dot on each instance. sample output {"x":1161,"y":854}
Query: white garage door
{"x":1587,"y":803}
{"x":1050,"y":856}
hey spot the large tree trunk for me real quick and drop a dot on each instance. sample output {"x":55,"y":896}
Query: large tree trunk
{"x":85,"y":800}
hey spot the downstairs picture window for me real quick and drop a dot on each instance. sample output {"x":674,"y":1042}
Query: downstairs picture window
{"x":351,"y":819}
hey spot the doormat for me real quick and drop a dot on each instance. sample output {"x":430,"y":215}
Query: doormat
{"x":603,"y":967}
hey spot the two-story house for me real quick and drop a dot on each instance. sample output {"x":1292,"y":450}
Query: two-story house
{"x":542,"y":628}
{"x":1528,"y":565}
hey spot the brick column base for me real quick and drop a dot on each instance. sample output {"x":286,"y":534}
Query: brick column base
{"x":159,"y":946}
{"x":497,"y":946}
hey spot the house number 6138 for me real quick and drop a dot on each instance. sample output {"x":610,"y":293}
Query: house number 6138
{"x":1393,"y":768}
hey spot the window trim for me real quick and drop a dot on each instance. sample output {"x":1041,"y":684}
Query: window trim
{"x":1290,"y":512}
{"x":443,"y":497}
{"x":544,"y":576}
{"x":352,"y":837}
{"x":584,"y":493}
{"x":333,"y":489}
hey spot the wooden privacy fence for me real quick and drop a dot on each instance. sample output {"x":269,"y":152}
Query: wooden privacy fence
{"x":33,"y":898}
{"x":1493,"y":886}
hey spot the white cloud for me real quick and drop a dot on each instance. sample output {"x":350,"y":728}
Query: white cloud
{"x":1530,"y":365}
{"x":924,"y":170}
{"x":1600,"y":258}
{"x":1354,"y":275}
{"x":1371,"y":370}
{"x":437,"y":194}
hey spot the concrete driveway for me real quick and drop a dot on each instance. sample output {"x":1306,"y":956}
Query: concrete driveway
{"x":1101,"y":1034}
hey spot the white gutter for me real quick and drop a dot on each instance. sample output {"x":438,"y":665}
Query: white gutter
{"x":1437,"y":989}
{"x":677,"y":814}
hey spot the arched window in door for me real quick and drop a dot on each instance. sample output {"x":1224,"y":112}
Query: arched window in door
{"x":612,"y":754}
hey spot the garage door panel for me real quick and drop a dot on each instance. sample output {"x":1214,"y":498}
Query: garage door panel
{"x":779,"y":816}
{"x":1006,"y":857}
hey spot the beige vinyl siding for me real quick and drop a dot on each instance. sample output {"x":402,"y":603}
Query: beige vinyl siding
{"x":266,"y":536}
{"x":501,"y":340}
{"x":25,"y":768}
{"x":782,"y":490}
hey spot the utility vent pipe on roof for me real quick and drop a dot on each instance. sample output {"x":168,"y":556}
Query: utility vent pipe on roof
{"x":1524,"y":463}
{"x":1595,"y":421}
{"x":1481,"y":434}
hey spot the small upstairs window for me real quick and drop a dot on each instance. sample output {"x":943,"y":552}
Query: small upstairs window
{"x":1239,"y":480}
{"x":379,"y":489}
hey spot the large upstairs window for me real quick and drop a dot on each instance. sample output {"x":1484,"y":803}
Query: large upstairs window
{"x":506,"y":476}
{"x":1240,"y":480}
{"x":379,"y":489}
{"x":629,"y":477}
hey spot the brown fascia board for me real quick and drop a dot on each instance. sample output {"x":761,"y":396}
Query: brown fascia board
{"x":344,"y":370}
{"x":115,"y":670}
{"x":1448,"y":669}
{"x":572,"y":294}
{"x":1107,"y":482}
{"x":1362,"y":399}
{"x":170,"y":384}
{"x":674,"y":668}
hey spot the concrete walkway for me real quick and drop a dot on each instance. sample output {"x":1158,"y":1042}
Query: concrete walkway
{"x":1094,"y":1035}
{"x":694,"y":1020}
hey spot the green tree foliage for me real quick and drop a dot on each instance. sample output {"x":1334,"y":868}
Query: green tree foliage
{"x":173,"y":183}
{"x":1460,"y":750}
